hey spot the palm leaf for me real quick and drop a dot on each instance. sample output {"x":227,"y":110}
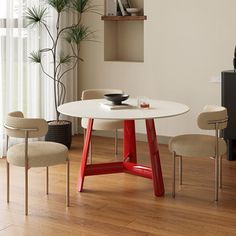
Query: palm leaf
{"x":35,"y":15}
{"x":77,"y":34}
{"x":64,"y":59}
{"x":80,"y":5}
{"x":35,"y":57}
{"x":59,"y":5}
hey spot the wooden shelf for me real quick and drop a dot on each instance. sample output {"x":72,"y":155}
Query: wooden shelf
{"x":124,"y":35}
{"x":124,"y":18}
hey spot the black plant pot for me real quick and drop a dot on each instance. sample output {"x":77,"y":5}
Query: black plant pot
{"x":59,"y":132}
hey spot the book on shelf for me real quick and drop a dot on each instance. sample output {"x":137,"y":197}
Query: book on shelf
{"x":126,"y":4}
{"x":122,"y":8}
{"x":110,"y":106}
{"x":111,"y":8}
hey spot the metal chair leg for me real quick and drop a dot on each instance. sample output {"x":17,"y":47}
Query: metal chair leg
{"x":180,"y":170}
{"x":8,"y":182}
{"x":84,"y":133}
{"x":68,"y":183}
{"x":90,"y":147}
{"x":26,"y":190}
{"x":216,"y":177}
{"x":173,"y":174}
{"x":220,"y":172}
{"x":116,"y":142}
{"x":47,"y":180}
{"x":217,"y":164}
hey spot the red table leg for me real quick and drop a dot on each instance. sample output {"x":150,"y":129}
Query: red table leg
{"x":85,"y":155}
{"x":130,"y":158}
{"x":129,"y":141}
{"x":158,"y":184}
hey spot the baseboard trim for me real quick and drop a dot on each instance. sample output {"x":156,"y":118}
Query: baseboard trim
{"x":139,"y":136}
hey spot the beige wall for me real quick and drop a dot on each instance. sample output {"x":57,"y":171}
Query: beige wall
{"x":186,"y":42}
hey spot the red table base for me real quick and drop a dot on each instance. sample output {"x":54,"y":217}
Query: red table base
{"x":129,"y":165}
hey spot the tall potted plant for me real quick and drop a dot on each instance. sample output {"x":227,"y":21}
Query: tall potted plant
{"x":62,"y":62}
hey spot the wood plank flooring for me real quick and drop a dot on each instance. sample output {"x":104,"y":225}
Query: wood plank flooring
{"x":119,"y":204}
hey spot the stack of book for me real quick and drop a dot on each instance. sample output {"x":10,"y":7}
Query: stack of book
{"x":110,"y":106}
{"x":123,"y":4}
{"x":117,"y":7}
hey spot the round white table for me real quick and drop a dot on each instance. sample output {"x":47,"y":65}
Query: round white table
{"x":95,"y":109}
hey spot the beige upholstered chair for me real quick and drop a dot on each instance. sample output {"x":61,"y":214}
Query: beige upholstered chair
{"x":198,"y":145}
{"x":98,"y":123}
{"x":32,"y":154}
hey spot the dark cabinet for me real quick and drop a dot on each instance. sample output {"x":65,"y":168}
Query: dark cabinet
{"x":228,"y":98}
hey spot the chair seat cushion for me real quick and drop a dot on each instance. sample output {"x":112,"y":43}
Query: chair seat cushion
{"x":196,"y":145}
{"x":102,"y":124}
{"x":40,"y":154}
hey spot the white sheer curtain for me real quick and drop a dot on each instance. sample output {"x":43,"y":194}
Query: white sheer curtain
{"x":22,"y":85}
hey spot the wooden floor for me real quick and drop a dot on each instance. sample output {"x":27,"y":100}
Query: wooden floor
{"x":120,"y":204}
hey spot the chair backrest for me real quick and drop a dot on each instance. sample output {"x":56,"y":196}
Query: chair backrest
{"x":97,"y":93}
{"x":16,"y":126}
{"x":213,"y":117}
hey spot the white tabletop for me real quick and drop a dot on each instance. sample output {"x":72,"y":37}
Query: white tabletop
{"x":94,"y":109}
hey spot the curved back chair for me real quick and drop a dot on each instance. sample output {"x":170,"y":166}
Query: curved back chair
{"x":199,"y":145}
{"x":32,"y":154}
{"x":100,"y":124}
